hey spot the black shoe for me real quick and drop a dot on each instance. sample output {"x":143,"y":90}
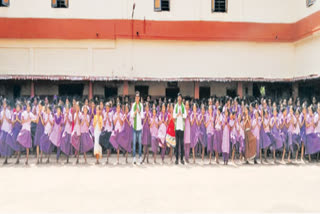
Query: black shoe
{"x":255,"y":161}
{"x":182,"y":162}
{"x":177,"y":162}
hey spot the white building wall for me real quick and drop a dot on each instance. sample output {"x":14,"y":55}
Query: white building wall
{"x":280,"y":11}
{"x":307,"y":55}
{"x":151,"y":59}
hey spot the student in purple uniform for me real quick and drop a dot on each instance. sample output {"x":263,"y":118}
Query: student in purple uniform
{"x":194,"y":130}
{"x":202,"y":131}
{"x":146,"y":135}
{"x":266,"y":135}
{"x":162,"y":131}
{"x":107,"y":130}
{"x":76,"y":132}
{"x":39,"y":129}
{"x":225,"y":146}
{"x":65,"y":145}
{"x":187,"y":132}
{"x":11,"y":138}
{"x":296,"y":137}
{"x":210,"y":131}
{"x":118,"y":125}
{"x":284,"y":131}
{"x":154,"y":134}
{"x":233,"y":134}
{"x":290,"y":121}
{"x":218,"y":134}
{"x":55,"y":135}
{"x":313,"y":141}
{"x":6,"y":122}
{"x":45,"y":144}
{"x":86,"y":141}
{"x":24,"y":136}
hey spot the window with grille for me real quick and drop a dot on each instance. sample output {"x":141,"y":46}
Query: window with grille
{"x":60,"y":3}
{"x":4,"y":3}
{"x":162,"y":5}
{"x":219,"y":6}
{"x":310,"y":2}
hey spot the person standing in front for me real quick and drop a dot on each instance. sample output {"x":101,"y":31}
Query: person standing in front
{"x":179,"y":114}
{"x":137,"y":116}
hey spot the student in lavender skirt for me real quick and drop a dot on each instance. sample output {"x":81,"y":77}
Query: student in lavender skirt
{"x":11,"y":138}
{"x":210,"y":131}
{"x":154,"y":134}
{"x":313,"y":141}
{"x":202,"y":131}
{"x":45,"y":144}
{"x":290,"y":121}
{"x":240,"y":136}
{"x":217,"y":141}
{"x":76,"y":133}
{"x":284,"y":132}
{"x":107,"y":130}
{"x":118,"y":125}
{"x":187,"y":132}
{"x":194,"y":130}
{"x":146,"y":135}
{"x":296,"y":137}
{"x":24,"y":136}
{"x":65,"y":145}
{"x":302,"y":121}
{"x":39,"y":129}
{"x":162,"y":131}
{"x":97,"y":127}
{"x":233,"y":134}
{"x":265,"y":133}
{"x":56,"y":134}
{"x":225,"y":146}
{"x":86,"y":141}
{"x":6,"y":127}
{"x":125,"y":136}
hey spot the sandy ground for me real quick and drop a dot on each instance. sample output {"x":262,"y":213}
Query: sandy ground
{"x":89,"y":188}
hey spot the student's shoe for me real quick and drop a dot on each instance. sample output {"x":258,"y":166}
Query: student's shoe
{"x":182,"y":162}
{"x":140,"y":160}
{"x":134,"y":160}
{"x":177,"y":162}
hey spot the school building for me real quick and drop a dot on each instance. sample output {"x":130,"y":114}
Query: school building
{"x":159,"y":47}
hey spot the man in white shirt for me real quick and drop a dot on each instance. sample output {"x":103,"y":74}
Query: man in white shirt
{"x":179,"y":114}
{"x":136,"y":114}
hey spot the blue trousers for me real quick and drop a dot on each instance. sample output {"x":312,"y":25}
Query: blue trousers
{"x":136,"y":134}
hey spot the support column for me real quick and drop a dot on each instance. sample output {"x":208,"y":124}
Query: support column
{"x":295,"y":90}
{"x":32,"y":89}
{"x":125,"y":88}
{"x":240,"y":89}
{"x":196,"y":90}
{"x":90,"y":90}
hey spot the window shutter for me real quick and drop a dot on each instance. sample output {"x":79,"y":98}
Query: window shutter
{"x":310,"y":2}
{"x":66,"y":3}
{"x":54,"y":3}
{"x":5,"y":3}
{"x":157,"y":5}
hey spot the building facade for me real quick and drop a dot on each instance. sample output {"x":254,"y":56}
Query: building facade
{"x":198,"y":47}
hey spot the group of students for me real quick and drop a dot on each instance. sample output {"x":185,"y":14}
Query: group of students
{"x":243,"y":129}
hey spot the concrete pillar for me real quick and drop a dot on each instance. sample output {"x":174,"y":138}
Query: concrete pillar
{"x":32,"y":89}
{"x":90,"y":90}
{"x":196,"y":90}
{"x":295,"y":90}
{"x":125,"y":88}
{"x":240,"y":90}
